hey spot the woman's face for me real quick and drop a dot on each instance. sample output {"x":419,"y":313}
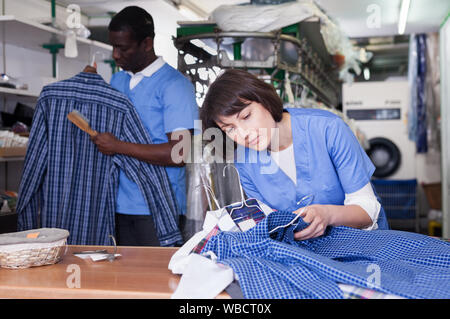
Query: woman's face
{"x":253,"y":127}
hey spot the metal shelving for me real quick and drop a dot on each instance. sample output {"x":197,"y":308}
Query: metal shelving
{"x":28,"y":34}
{"x":10,"y":91}
{"x":296,"y":52}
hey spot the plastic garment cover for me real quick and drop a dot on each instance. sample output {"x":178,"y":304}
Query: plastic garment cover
{"x":197,"y":201}
{"x":261,"y":18}
{"x":412,"y":79}
{"x":421,"y":141}
{"x":419,"y":78}
{"x":433,"y":91}
{"x":203,"y":174}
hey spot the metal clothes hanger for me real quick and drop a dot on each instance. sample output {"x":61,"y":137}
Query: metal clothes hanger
{"x":244,"y":203}
{"x":209,"y":190}
{"x":306,"y":201}
{"x":112,"y":256}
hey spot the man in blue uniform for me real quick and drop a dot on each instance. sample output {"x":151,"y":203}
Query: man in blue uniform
{"x":165,"y":102}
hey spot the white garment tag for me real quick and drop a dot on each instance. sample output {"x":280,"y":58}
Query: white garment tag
{"x":226,"y":223}
{"x":247,"y":224}
{"x":211,"y":220}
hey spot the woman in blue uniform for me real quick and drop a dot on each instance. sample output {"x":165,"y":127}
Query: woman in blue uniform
{"x":283,"y":155}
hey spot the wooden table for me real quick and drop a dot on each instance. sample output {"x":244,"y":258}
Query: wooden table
{"x":141,"y":272}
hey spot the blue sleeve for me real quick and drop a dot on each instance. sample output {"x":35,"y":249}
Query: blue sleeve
{"x":180,"y":106}
{"x":351,"y":162}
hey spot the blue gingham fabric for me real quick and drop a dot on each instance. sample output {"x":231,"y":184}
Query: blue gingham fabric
{"x":274,"y":265}
{"x":67,"y":183}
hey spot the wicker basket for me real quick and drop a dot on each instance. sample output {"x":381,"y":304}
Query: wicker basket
{"x":17,"y":250}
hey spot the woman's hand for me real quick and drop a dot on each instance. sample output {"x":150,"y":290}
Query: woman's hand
{"x":318,"y":217}
{"x":106,"y":143}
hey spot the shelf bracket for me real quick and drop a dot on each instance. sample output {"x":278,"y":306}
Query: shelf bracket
{"x":54,"y":49}
{"x":112,"y":64}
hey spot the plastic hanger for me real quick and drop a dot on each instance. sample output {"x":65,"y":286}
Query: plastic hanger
{"x":94,"y":57}
{"x":303,"y":96}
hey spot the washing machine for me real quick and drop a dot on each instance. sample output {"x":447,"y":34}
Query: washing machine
{"x":380,"y":112}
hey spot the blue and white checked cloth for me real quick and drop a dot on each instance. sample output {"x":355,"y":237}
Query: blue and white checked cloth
{"x":67,"y":183}
{"x":407,"y":264}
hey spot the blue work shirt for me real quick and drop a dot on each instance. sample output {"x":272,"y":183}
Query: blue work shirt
{"x":328,"y":158}
{"x":165,"y":102}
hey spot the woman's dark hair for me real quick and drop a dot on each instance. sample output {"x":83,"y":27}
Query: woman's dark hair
{"x":134,"y":19}
{"x":234,"y":90}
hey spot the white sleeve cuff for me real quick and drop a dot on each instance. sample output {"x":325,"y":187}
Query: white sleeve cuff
{"x":366,"y":199}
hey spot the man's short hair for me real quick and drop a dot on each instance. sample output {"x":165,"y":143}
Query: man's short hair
{"x":134,"y":19}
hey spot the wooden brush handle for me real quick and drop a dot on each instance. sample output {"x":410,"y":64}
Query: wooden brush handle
{"x":81,"y":123}
{"x":91,"y":132}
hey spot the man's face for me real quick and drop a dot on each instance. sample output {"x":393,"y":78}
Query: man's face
{"x":128,"y":53}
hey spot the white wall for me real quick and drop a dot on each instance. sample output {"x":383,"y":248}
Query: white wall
{"x":36,"y":10}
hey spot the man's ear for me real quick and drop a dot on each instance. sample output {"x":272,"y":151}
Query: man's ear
{"x":148,"y":44}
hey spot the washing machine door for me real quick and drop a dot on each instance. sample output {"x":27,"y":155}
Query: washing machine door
{"x":385,"y":155}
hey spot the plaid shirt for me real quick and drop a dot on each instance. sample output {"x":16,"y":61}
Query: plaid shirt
{"x":67,"y":183}
{"x":274,"y":265}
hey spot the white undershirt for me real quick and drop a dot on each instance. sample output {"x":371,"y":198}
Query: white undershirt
{"x":148,"y":71}
{"x":364,"y":197}
{"x":286,"y":162}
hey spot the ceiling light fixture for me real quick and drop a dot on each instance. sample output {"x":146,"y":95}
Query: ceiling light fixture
{"x":190,"y":10}
{"x":189,"y":13}
{"x":404,"y":9}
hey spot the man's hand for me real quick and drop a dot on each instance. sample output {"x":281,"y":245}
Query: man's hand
{"x":90,"y":68}
{"x":318,"y":217}
{"x":106,"y":143}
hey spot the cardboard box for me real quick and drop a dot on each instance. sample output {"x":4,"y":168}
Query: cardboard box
{"x":433,"y":192}
{"x":12,"y":151}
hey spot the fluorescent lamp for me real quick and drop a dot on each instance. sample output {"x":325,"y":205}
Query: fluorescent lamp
{"x":404,"y":9}
{"x":189,"y":13}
